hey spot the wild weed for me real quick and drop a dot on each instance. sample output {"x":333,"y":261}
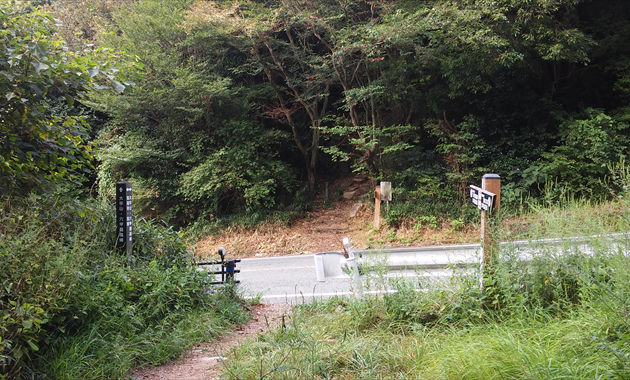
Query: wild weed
{"x":73,"y":306}
{"x":551,"y":310}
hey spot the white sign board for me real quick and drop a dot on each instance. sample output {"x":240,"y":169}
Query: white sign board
{"x":386,"y":191}
{"x":482,"y":199}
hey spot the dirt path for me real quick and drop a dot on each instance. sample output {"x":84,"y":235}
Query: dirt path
{"x":322,"y":230}
{"x":205,"y":360}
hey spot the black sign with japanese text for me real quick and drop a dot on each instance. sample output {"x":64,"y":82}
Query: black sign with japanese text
{"x":124,"y":237}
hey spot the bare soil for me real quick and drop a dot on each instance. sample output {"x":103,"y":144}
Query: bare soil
{"x":206,"y":360}
{"x":323,"y":229}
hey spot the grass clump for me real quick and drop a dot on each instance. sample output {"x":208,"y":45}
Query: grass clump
{"x":567,"y":217}
{"x":550,"y":311}
{"x":74,"y":306}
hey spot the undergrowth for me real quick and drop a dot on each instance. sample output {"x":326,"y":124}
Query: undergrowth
{"x":250,"y":219}
{"x":73,"y":306}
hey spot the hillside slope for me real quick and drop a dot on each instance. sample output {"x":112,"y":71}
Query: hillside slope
{"x":324,"y":228}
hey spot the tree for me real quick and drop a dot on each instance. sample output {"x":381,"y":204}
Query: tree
{"x":292,"y":58}
{"x":188,"y":135}
{"x":374,"y":60}
{"x":39,"y":149}
{"x":355,"y":79}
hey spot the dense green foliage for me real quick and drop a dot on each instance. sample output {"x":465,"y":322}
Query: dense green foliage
{"x":187,"y":137}
{"x":41,"y":147}
{"x":73,"y":307}
{"x":241,"y":106}
{"x":238,"y":99}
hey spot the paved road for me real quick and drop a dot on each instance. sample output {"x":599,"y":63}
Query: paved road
{"x":287,"y":279}
{"x":292,"y":279}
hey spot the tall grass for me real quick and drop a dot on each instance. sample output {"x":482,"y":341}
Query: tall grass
{"x":73,"y":306}
{"x":565,"y":217}
{"x":107,"y":349}
{"x":556,"y":311}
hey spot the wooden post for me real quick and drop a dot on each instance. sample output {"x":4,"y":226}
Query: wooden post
{"x":377,"y":207}
{"x":491,"y":183}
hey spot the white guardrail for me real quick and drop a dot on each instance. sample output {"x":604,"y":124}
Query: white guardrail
{"x":334,"y":264}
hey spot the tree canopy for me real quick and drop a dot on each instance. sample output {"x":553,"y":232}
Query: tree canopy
{"x":42,"y":147}
{"x":241,"y":102}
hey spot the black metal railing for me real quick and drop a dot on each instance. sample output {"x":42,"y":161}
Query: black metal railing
{"x":228,"y":268}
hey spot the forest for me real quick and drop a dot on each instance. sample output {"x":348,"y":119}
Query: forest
{"x":230,"y":111}
{"x":226,"y":108}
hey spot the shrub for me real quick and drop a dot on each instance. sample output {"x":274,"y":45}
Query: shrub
{"x":63,"y":279}
{"x":588,"y":144}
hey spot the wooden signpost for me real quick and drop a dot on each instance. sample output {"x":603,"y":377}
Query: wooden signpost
{"x":383,"y":192}
{"x":488,"y":199}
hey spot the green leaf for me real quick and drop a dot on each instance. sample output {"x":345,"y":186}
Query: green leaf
{"x":10,"y":77}
{"x":39,"y":51}
{"x":284,"y":367}
{"x":18,"y":353}
{"x":36,"y":89}
{"x":34,"y":347}
{"x":39,"y":66}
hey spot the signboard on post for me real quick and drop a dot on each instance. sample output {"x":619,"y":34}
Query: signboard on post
{"x":487,"y":198}
{"x":482,"y":199}
{"x":124,"y":238}
{"x":386,"y":191}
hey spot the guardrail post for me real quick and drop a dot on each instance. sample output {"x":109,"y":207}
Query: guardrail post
{"x":377,"y":207}
{"x":353,"y":267}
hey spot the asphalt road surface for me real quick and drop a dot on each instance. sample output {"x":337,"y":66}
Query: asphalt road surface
{"x":293,"y":280}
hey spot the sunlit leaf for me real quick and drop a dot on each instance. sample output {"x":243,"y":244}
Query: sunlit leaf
{"x":39,"y":66}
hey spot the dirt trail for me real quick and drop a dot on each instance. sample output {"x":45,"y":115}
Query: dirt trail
{"x":206,"y":360}
{"x":321,"y":230}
